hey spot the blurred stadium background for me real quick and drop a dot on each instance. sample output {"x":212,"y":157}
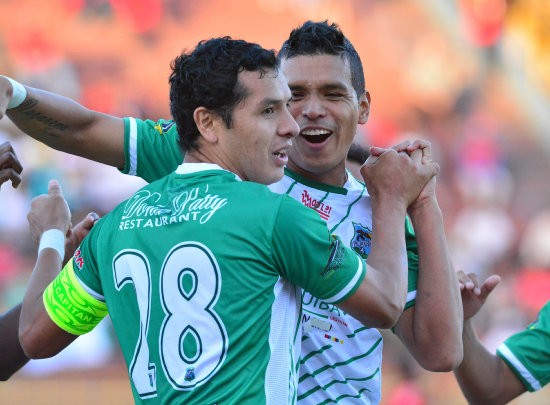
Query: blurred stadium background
{"x":472,"y":76}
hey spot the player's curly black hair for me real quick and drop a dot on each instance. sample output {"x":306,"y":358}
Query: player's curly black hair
{"x":208,"y":77}
{"x":319,"y":38}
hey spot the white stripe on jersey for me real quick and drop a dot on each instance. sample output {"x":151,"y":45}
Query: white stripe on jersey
{"x":94,"y":294}
{"x":281,"y":388}
{"x":341,"y":365}
{"x":132,"y":149}
{"x":518,"y":365}
{"x":411,"y":295}
{"x":350,"y":285}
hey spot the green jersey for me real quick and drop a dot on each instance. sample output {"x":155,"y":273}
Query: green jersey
{"x":198,"y":272}
{"x":341,"y":359}
{"x":527,"y":353}
{"x":150,"y":148}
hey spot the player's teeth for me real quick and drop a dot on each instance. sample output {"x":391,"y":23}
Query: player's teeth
{"x":316,"y":132}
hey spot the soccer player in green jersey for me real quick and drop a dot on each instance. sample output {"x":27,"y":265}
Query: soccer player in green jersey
{"x":199,"y":270}
{"x":522,"y":362}
{"x":341,"y":359}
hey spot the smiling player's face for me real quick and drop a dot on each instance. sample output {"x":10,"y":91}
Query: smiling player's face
{"x":325,"y":105}
{"x":258,"y":141}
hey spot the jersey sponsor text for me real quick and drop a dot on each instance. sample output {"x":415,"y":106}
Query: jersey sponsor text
{"x":183,"y":206}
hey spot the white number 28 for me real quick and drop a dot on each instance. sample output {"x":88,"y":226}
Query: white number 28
{"x":191,"y":332}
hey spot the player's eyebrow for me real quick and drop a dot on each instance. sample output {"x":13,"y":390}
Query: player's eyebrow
{"x":295,"y":86}
{"x":334,"y":86}
{"x":325,"y":87}
{"x":266,"y":102}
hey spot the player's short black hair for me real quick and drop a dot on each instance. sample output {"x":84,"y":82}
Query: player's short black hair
{"x":208,"y":77}
{"x":357,"y":153}
{"x":319,"y":38}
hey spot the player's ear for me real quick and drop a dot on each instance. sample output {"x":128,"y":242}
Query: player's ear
{"x":364,"y":107}
{"x":206,"y":122}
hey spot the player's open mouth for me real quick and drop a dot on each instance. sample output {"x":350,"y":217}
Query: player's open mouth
{"x":280,"y":157}
{"x":315,"y":135}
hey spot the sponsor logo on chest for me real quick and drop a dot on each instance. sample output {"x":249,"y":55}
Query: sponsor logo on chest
{"x":310,"y":202}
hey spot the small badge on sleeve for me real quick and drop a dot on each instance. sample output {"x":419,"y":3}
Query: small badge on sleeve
{"x":190,"y":374}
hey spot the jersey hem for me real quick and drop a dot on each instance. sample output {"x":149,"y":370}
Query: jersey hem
{"x":524,"y":375}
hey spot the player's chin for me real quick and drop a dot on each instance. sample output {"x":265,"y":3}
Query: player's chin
{"x":270,"y":175}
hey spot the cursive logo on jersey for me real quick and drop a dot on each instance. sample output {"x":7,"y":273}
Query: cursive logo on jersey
{"x":142,"y":204}
{"x":153,"y":209}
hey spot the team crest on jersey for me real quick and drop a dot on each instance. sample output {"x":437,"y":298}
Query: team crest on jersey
{"x":78,"y":259}
{"x":165,"y":127}
{"x":190,"y":374}
{"x":362,"y":240}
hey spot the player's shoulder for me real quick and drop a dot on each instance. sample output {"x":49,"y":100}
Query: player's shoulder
{"x":160,"y":127}
{"x":261,"y":198}
{"x":543,"y":317}
{"x":259,"y":192}
{"x":145,"y":198}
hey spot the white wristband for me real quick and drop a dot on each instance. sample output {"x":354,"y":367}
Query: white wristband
{"x":54,"y":239}
{"x":19,"y":93}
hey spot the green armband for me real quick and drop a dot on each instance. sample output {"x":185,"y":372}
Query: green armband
{"x":70,"y":306}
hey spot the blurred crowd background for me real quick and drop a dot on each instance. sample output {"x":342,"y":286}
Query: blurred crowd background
{"x":472,"y":76}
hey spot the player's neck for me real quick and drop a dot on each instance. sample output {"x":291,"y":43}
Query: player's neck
{"x":334,"y":177}
{"x":196,"y":157}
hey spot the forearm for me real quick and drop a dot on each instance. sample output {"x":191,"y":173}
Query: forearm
{"x":481,"y":374}
{"x":11,"y":353}
{"x":36,"y":329}
{"x":386,"y":276}
{"x":65,"y":125}
{"x":435,"y":335}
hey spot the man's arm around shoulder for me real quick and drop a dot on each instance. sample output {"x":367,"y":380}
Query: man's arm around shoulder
{"x":65,"y":125}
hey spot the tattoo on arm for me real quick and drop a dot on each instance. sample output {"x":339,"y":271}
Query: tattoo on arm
{"x":27,"y":110}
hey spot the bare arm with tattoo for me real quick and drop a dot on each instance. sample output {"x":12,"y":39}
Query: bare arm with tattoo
{"x":65,"y":125}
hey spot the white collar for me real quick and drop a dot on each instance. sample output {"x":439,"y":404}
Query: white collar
{"x":188,"y":168}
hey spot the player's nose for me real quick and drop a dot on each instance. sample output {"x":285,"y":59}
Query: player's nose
{"x":288,"y":126}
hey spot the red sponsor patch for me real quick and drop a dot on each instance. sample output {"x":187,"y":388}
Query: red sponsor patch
{"x":310,"y":202}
